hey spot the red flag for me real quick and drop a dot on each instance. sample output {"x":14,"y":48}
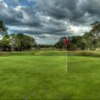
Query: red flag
{"x":66,"y":41}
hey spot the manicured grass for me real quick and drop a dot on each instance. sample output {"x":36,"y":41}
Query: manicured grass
{"x":84,"y":77}
{"x":32,"y":77}
{"x":45,"y":78}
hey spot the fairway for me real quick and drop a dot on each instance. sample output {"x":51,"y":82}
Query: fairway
{"x":45,"y":78}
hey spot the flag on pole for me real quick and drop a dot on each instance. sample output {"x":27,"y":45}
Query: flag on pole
{"x":66,"y":41}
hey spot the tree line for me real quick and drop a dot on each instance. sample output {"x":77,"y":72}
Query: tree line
{"x":15,"y":42}
{"x":20,"y":42}
{"x":89,"y":41}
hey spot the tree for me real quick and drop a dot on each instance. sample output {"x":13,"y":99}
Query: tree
{"x":5,"y":43}
{"x":96,"y":29}
{"x":22,"y":42}
{"x":88,"y":39}
{"x":3,"y":29}
{"x":61,"y":43}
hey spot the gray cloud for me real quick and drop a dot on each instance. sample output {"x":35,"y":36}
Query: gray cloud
{"x":73,"y":10}
{"x":19,"y":16}
{"x":53,"y":17}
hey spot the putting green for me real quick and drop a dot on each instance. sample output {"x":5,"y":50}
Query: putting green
{"x":45,"y":78}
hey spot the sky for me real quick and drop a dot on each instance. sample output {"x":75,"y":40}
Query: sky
{"x":49,"y":20}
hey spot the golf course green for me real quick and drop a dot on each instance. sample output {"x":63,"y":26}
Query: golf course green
{"x":30,"y":77}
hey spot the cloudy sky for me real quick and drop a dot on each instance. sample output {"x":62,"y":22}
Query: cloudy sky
{"x":48,"y":20}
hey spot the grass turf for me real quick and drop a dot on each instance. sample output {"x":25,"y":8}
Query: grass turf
{"x":45,"y":78}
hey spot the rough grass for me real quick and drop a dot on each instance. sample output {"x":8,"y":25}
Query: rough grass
{"x":52,"y":53}
{"x":45,"y":78}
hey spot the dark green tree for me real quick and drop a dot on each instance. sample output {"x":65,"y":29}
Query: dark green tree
{"x":61,"y":43}
{"x":22,"y":42}
{"x":3,"y":29}
{"x":5,"y":43}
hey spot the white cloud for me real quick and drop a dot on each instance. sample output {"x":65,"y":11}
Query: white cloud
{"x":3,"y":4}
{"x":78,"y":30}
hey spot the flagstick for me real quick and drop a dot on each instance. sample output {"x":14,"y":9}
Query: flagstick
{"x":66,"y":43}
{"x":66,"y":60}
